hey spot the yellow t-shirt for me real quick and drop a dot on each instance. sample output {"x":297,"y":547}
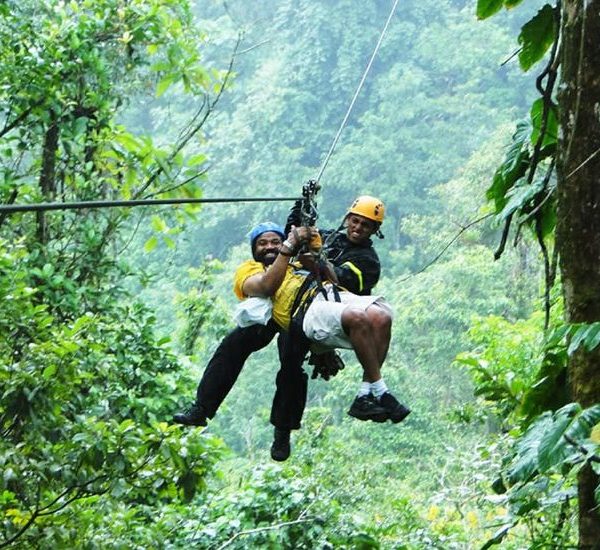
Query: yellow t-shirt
{"x":283,"y":298}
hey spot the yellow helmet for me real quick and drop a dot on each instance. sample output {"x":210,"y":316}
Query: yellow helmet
{"x":368,"y":207}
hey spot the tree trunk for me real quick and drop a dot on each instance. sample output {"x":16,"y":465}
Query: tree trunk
{"x":47,"y":180}
{"x":578,"y":223}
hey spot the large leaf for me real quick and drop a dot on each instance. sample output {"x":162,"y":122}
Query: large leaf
{"x":513,"y":168}
{"x":551,"y":129}
{"x":570,"y":424}
{"x":519,"y":196}
{"x":526,"y":460}
{"x":550,"y":391}
{"x":537,"y":35}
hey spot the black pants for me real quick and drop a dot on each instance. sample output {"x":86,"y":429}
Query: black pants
{"x":291,"y":384}
{"x":228,"y":360}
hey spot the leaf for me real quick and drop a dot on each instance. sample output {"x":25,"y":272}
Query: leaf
{"x":592,"y":338}
{"x":487,"y":8}
{"x":128,"y":141}
{"x":513,"y":167}
{"x":49,"y":371}
{"x":518,"y":197}
{"x":196,"y":159}
{"x":526,"y":460}
{"x":552,"y":448}
{"x":549,"y":391}
{"x":571,"y":424}
{"x":164,"y":84}
{"x":498,"y":536}
{"x":556,"y":337}
{"x":595,"y":434}
{"x":150,"y":244}
{"x":551,"y":130}
{"x":537,"y":35}
{"x":158,"y":224}
{"x":578,"y":337}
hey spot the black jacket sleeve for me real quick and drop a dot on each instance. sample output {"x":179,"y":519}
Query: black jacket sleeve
{"x":358,"y":272}
{"x":357,"y":267}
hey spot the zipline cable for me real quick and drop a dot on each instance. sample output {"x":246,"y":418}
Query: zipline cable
{"x":11,"y":208}
{"x":358,"y":89}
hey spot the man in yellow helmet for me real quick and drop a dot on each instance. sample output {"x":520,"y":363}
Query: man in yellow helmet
{"x":355,"y":263}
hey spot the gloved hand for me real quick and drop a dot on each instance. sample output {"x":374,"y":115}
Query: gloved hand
{"x":316,"y":243}
{"x":326,"y":364}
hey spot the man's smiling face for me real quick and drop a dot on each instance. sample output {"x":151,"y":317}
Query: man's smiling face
{"x":266,"y":247}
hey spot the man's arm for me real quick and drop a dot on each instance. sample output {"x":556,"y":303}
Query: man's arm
{"x":358,"y":272}
{"x":266,"y":284}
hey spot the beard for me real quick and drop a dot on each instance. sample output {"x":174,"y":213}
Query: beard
{"x":266,"y":257}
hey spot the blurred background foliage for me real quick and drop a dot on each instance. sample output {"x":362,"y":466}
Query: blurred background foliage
{"x":108,"y":317}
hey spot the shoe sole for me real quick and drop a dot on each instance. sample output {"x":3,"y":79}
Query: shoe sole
{"x":379,"y":418}
{"x":399,"y":418}
{"x":183,"y":423}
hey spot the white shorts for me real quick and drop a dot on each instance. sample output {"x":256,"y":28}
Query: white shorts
{"x":323,"y":319}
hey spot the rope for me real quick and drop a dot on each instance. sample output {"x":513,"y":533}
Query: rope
{"x":358,"y":89}
{"x":11,"y":208}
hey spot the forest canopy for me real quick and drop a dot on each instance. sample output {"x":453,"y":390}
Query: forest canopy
{"x":464,"y":129}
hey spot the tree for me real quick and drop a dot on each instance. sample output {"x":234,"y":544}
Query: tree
{"x":83,"y":377}
{"x":564,"y":209}
{"x":578,"y":222}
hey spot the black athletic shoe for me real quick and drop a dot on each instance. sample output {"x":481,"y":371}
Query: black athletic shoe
{"x":193,"y":416}
{"x":365,"y":407}
{"x":396,"y":411}
{"x":280,"y":450}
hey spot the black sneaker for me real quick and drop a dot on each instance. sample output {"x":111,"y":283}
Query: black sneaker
{"x":396,"y":411}
{"x":280,"y":449}
{"x":365,"y":407}
{"x":193,"y":416}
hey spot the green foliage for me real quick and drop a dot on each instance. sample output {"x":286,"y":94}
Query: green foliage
{"x":203,"y":312}
{"x":537,"y":35}
{"x":541,"y":475}
{"x":80,"y":412}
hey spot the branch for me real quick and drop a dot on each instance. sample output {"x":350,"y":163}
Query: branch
{"x":500,"y":250}
{"x":585,"y":452}
{"x":8,"y":127}
{"x":193,"y":131}
{"x":575,"y":170}
{"x":441,"y":253}
{"x":547,"y":270}
{"x":179,"y":185}
{"x":262,"y":529}
{"x":516,"y":52}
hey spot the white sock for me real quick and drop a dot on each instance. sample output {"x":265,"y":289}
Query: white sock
{"x":378,"y":388}
{"x":365,"y":389}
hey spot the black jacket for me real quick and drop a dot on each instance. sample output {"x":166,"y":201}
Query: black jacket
{"x":356,"y":266}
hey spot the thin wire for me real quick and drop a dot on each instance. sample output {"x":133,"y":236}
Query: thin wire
{"x":358,"y":89}
{"x":12,"y":208}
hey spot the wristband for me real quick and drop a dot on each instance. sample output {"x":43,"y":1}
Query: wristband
{"x":289,"y":246}
{"x":284,"y":254}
